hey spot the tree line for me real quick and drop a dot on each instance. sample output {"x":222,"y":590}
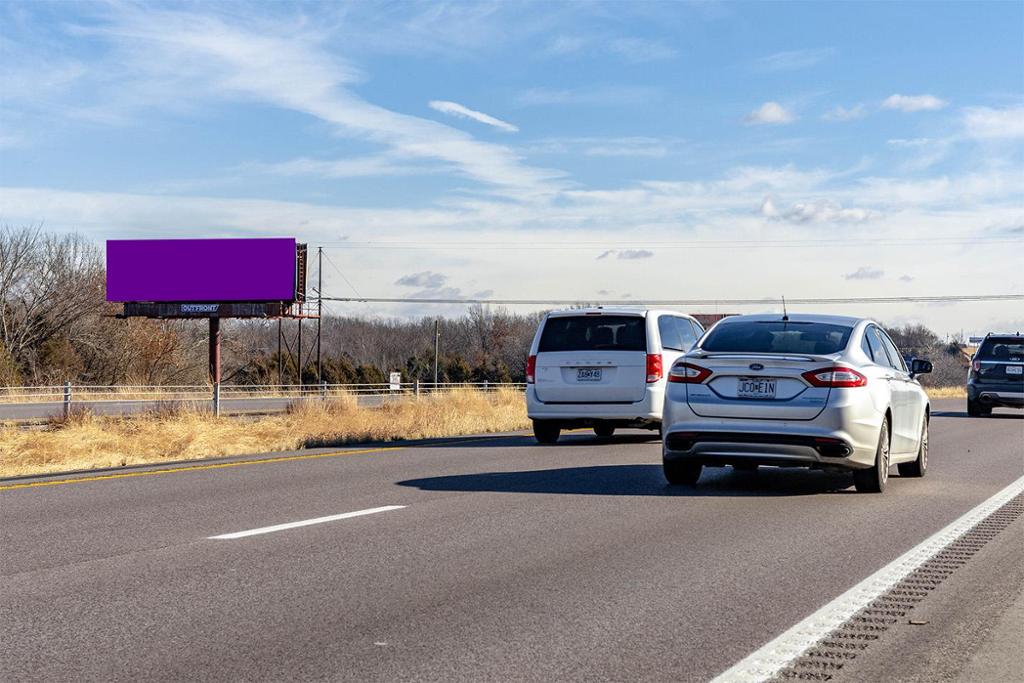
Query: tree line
{"x":56,"y":326}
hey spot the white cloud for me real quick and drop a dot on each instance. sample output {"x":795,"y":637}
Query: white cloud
{"x":566,"y":44}
{"x":817,"y":212}
{"x":839,"y":113}
{"x":912,"y":103}
{"x":604,"y":146}
{"x":792,"y":60}
{"x":985,"y":123}
{"x":192,"y":55}
{"x":770,"y":113}
{"x":865,"y":273}
{"x":426,"y":279}
{"x":456,"y":109}
{"x":626,"y":254}
{"x":906,"y":278}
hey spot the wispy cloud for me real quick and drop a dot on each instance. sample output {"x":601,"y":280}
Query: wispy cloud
{"x":912,"y":103}
{"x":289,"y":68}
{"x":626,"y":254}
{"x":460,"y":111}
{"x":985,"y":123}
{"x":817,"y":212}
{"x":792,"y":60}
{"x":770,"y":113}
{"x":637,"y":146}
{"x":426,"y":279}
{"x":865,"y":273}
{"x":839,"y":113}
{"x":639,"y":50}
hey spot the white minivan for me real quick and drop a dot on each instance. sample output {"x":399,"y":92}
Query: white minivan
{"x":603,"y":368}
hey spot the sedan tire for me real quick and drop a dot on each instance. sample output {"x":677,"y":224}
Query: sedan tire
{"x":918,"y":467}
{"x":874,"y":478}
{"x":604,"y":431}
{"x":681,"y":472}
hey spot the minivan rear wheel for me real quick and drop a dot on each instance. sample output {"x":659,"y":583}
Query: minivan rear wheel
{"x":874,"y":478}
{"x":546,"y":431}
{"x":604,"y":431}
{"x":681,"y":472}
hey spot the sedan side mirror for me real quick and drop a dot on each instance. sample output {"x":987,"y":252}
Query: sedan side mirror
{"x":919,"y":366}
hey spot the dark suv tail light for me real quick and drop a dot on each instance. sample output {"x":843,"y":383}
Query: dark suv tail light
{"x":685,"y":373}
{"x":835,"y":377}
{"x":655,"y":370}
{"x":531,"y":369}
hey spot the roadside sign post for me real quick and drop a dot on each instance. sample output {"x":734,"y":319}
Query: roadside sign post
{"x":395,"y":381}
{"x":67,"y":399}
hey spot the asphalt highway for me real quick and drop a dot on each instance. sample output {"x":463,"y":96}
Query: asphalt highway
{"x":484,"y":559}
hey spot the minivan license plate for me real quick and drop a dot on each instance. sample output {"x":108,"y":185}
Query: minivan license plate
{"x":588,"y":374}
{"x":755,"y":387}
{"x":1014,"y":370}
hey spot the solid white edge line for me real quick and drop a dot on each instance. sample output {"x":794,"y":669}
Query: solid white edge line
{"x":774,"y":656}
{"x":305,"y":522}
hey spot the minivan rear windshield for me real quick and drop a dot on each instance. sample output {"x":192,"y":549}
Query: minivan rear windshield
{"x":1009,"y":348}
{"x":594,"y":333}
{"x":777,"y":336}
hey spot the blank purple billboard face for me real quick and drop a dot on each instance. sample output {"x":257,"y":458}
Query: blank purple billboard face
{"x":259,"y":269}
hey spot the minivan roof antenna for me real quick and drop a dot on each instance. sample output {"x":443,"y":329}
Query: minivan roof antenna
{"x":785,"y":315}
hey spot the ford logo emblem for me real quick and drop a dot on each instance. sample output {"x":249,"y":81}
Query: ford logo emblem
{"x":756,"y":366}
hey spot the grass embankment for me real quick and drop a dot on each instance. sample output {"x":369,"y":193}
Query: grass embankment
{"x":86,"y":441}
{"x":946,"y":392}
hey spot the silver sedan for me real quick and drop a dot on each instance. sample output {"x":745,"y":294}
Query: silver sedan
{"x":796,"y":391}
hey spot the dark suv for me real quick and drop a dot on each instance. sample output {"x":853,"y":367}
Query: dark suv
{"x":996,"y":377}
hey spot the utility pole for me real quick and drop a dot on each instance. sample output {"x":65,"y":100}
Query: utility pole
{"x":319,"y":309}
{"x":437,"y":346}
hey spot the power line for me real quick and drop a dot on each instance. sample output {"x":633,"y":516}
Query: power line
{"x":701,"y":244}
{"x":687,"y":302}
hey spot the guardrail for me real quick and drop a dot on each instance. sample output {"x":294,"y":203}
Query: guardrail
{"x":70,"y":395}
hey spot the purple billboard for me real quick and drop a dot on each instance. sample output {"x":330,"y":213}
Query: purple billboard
{"x":259,"y":269}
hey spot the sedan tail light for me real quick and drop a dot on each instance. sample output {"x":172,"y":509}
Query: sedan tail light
{"x":685,"y":373}
{"x":835,"y":377}
{"x":531,"y":369}
{"x":655,"y":370}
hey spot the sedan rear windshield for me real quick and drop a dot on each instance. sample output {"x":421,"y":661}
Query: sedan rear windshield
{"x":777,"y":336}
{"x":1008,"y":349}
{"x":594,"y":333}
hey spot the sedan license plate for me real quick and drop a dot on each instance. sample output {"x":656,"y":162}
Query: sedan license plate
{"x":755,"y":387}
{"x":588,"y":374}
{"x":1015,"y":370}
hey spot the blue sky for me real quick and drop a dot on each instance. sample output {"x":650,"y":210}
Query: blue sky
{"x":532,"y":150}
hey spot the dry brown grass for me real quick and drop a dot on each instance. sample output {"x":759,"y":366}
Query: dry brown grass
{"x":946,"y":392}
{"x":86,"y":441}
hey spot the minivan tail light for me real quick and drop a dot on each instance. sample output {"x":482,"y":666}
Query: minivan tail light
{"x":655,"y":370}
{"x":835,"y":377}
{"x":531,"y":369}
{"x":685,"y":373}
{"x":976,"y":364}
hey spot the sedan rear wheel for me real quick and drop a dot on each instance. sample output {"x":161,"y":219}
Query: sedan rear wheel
{"x":874,"y":478}
{"x":604,"y":431}
{"x":681,"y":472}
{"x":918,"y":467}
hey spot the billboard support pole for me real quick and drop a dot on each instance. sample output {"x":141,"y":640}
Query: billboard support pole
{"x":299,"y":352}
{"x":319,"y":309}
{"x":215,"y":362}
{"x":280,"y":368}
